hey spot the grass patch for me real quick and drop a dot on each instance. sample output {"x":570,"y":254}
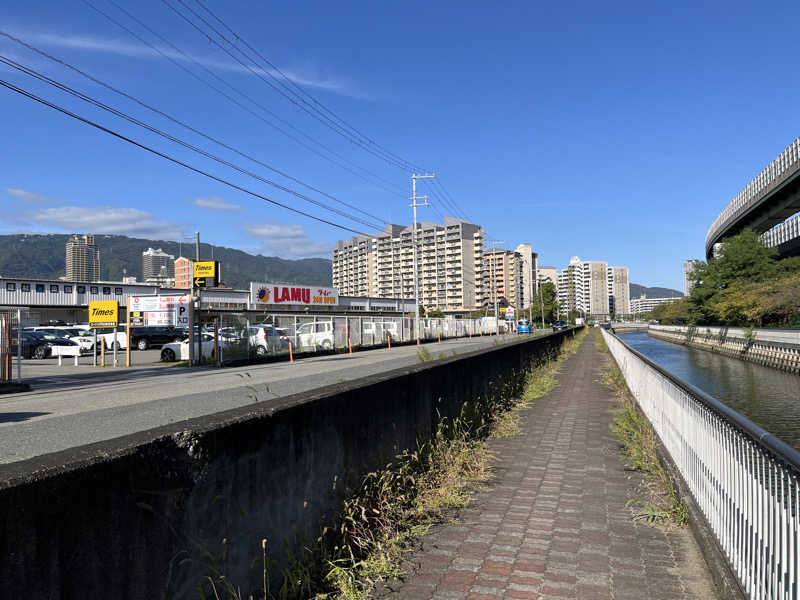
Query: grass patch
{"x":424,"y":355}
{"x":661,"y":501}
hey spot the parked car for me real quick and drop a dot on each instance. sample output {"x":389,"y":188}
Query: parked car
{"x":267,"y":339}
{"x":378,"y":329}
{"x":180,"y":350}
{"x":523,"y":326}
{"x":559,"y":325}
{"x":143,"y":338}
{"x":315,"y":335}
{"x":37,"y":344}
{"x":84,"y":338}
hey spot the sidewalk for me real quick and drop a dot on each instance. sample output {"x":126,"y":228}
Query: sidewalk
{"x":553,"y":521}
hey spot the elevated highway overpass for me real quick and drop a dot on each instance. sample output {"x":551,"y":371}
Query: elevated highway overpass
{"x":764,"y":205}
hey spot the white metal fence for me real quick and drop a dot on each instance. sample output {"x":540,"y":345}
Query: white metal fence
{"x":744,"y":480}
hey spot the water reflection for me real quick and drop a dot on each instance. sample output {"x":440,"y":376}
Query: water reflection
{"x":766,"y":396}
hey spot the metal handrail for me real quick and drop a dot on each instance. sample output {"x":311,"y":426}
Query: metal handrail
{"x":758,"y":434}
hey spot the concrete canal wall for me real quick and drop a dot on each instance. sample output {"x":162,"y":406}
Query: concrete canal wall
{"x":148,"y":515}
{"x":777,"y":348}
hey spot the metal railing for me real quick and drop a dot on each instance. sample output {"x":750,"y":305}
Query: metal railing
{"x":780,"y":234}
{"x":784,"y":166}
{"x":743,"y":479}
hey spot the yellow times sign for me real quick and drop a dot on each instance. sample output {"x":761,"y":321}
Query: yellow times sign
{"x":103,"y":313}
{"x":206,"y":268}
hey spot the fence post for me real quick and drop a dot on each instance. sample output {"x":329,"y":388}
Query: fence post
{"x":19,"y":344}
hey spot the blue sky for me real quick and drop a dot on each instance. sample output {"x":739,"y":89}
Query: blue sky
{"x":609,"y":131}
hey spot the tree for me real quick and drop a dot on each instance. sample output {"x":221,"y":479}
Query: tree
{"x":436,"y":314}
{"x":547,"y":296}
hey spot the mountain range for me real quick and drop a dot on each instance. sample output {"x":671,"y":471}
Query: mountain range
{"x":39,"y":256}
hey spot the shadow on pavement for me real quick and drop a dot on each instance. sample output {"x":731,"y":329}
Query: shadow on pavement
{"x":15,"y":417}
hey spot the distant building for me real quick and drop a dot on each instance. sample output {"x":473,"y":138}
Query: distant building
{"x":545,"y":274}
{"x":502,"y":277}
{"x":688,"y":267}
{"x":619,"y":301}
{"x":529,"y":282}
{"x":643,"y":304}
{"x":158,"y":267}
{"x":182,"y":271}
{"x":83,"y":259}
{"x":583,"y":286}
{"x":449,"y":260}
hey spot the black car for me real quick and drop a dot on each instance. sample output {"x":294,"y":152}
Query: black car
{"x":37,"y":344}
{"x":149,"y":337}
{"x":559,"y":325}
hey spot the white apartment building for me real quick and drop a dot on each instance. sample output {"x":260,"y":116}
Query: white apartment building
{"x":688,"y":267}
{"x":529,"y":282}
{"x":82,"y":258}
{"x":619,"y":290}
{"x":158,"y":267}
{"x":593,"y":288}
{"x":449,"y":263}
{"x":643,"y":304}
{"x":545,"y":274}
{"x":503,"y":277}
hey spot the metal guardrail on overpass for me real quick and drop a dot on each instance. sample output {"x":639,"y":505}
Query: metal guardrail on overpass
{"x":745,"y":481}
{"x":779,"y":172}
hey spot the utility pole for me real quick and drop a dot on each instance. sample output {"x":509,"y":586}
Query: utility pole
{"x":414,"y":206}
{"x":494,"y":285}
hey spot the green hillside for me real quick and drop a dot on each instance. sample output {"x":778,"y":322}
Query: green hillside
{"x":653,"y":292}
{"x":43,"y":257}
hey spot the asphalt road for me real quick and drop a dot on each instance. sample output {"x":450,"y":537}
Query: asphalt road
{"x":101,"y":404}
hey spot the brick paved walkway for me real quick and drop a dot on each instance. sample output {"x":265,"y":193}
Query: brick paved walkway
{"x":553,"y":523}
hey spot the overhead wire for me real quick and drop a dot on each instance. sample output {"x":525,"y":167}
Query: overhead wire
{"x":181,"y":123}
{"x":311,"y":110}
{"x":376,"y":179}
{"x":165,"y":135}
{"x":293,"y":85}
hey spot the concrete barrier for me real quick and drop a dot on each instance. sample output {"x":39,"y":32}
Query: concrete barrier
{"x":148,"y":515}
{"x":777,"y":348}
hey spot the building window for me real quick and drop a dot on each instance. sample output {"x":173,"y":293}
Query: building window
{"x":26,"y":287}
{"x":107,"y":290}
{"x":11,"y":287}
{"x":118,"y":291}
{"x":40,"y":288}
{"x":93,"y":289}
{"x":54,"y":288}
{"x":81,"y":289}
{"x":67,"y":289}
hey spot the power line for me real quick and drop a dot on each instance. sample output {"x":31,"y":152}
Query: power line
{"x":292,"y":97}
{"x":446,"y":193}
{"x":301,"y":90}
{"x":168,"y":157}
{"x":227,"y":96}
{"x":182,"y":124}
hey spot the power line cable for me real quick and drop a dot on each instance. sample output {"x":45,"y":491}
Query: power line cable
{"x":247,"y":109}
{"x":446,"y":193}
{"x":303,"y":92}
{"x":182,"y":124}
{"x":135,"y":121}
{"x":172,"y":159}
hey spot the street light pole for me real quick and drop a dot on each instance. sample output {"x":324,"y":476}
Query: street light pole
{"x":414,"y":206}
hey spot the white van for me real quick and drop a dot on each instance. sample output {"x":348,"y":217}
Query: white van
{"x":315,"y":335}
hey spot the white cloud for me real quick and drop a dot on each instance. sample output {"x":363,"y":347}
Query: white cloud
{"x":30,"y":197}
{"x":135,"y":50}
{"x":287,"y":241}
{"x":110,"y":220}
{"x":215,"y":203}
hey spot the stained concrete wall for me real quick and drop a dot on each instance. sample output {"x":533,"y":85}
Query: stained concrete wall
{"x":777,"y":348}
{"x":145,"y":516}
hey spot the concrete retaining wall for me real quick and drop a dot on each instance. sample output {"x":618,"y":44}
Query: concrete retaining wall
{"x":147,"y":515}
{"x":775,"y":348}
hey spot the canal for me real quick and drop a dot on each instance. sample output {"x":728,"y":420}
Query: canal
{"x":768,"y":397}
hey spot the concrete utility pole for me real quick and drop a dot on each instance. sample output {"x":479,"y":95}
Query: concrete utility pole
{"x":494,"y":285}
{"x":414,"y":206}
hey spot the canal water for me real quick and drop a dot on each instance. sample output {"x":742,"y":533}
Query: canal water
{"x":766,"y":396}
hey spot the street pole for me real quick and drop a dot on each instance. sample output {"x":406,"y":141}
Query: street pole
{"x":494,"y":285}
{"x":414,"y":206}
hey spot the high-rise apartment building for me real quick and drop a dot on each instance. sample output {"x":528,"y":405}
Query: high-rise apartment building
{"x":449,"y":262}
{"x":502,"y":277}
{"x":529,"y":281}
{"x":545,"y":274}
{"x":619,"y":291}
{"x":593,"y":288}
{"x":158,"y":267}
{"x":83,"y":258}
{"x":688,"y":267}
